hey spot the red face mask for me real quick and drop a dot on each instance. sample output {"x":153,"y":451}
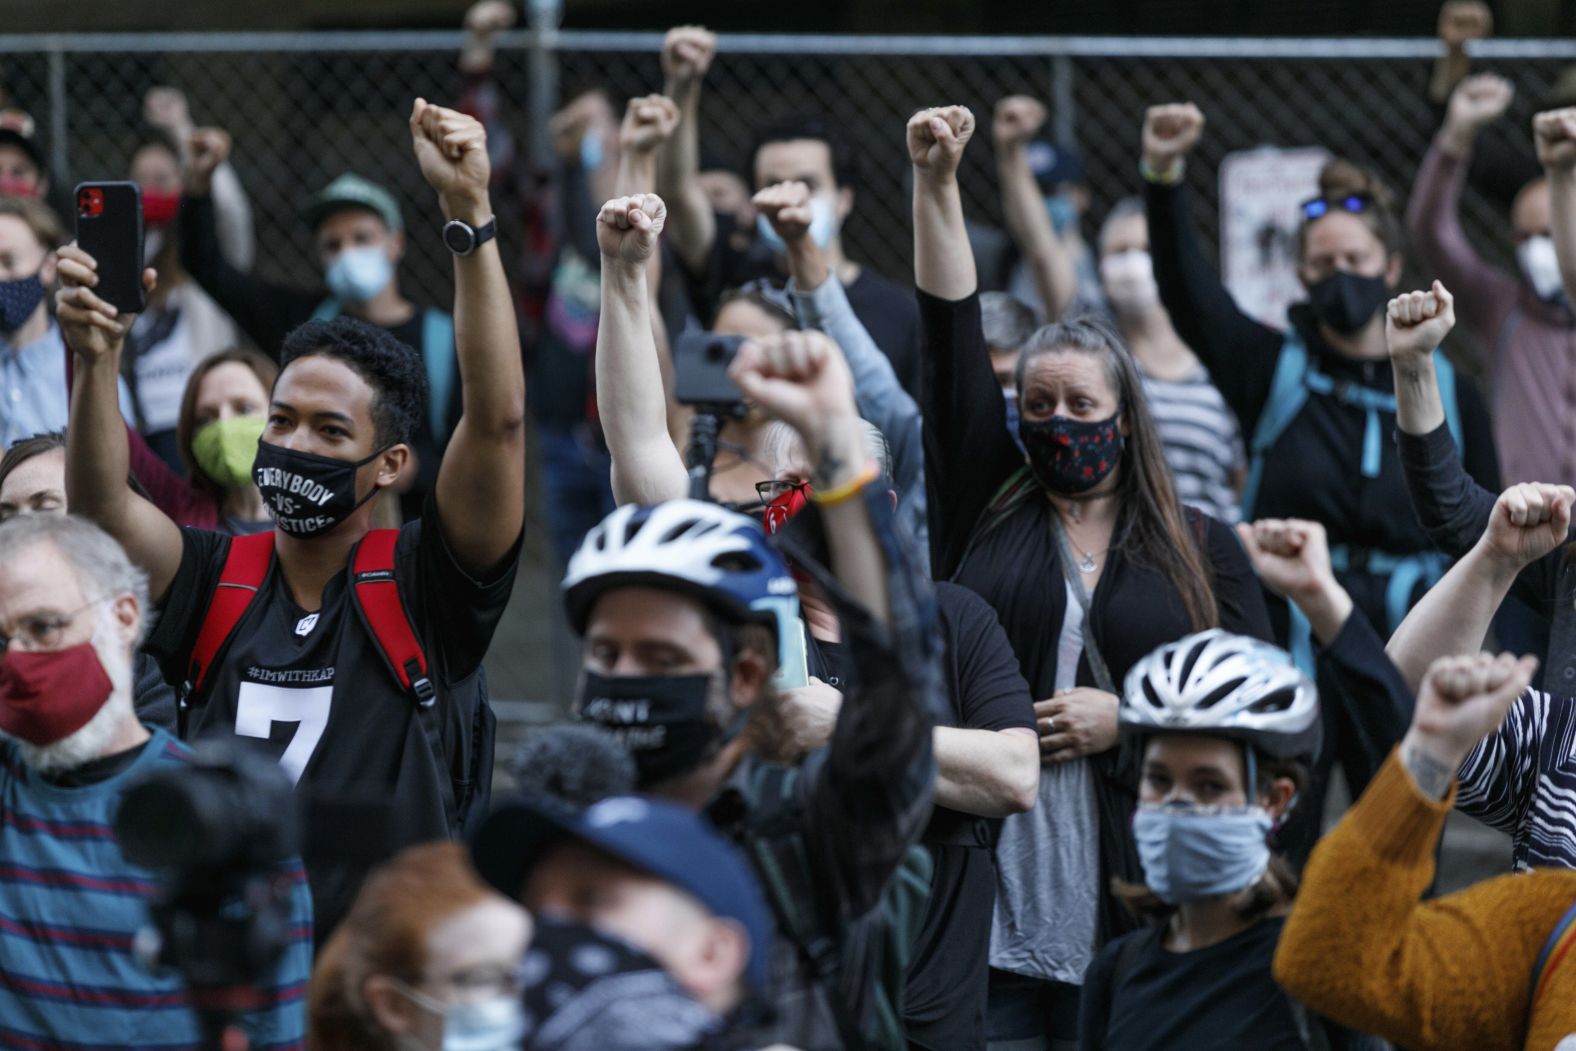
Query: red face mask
{"x":18,"y":187}
{"x":781,"y":509}
{"x":160,"y":207}
{"x":45,"y":697}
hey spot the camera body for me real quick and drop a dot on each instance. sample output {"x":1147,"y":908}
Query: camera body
{"x":700,"y":372}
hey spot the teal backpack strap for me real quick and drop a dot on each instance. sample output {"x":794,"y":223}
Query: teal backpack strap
{"x":1446,"y":374}
{"x":1561,"y":940}
{"x":437,"y":353}
{"x":327,"y":310}
{"x":1288,"y":394}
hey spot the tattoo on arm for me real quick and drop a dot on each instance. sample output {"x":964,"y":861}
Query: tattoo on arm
{"x":829,"y":467}
{"x":1433,"y":777}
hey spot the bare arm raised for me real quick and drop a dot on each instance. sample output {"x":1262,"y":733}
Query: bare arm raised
{"x":687,"y":52}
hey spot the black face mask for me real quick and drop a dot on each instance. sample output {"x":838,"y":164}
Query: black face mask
{"x":1071,"y":456}
{"x":1346,"y":301}
{"x":661,"y":719}
{"x":308,"y":495}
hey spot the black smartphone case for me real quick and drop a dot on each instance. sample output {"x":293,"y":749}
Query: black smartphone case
{"x":109,"y":228}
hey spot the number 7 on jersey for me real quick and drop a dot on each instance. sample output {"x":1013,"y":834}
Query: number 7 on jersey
{"x":259,"y":706}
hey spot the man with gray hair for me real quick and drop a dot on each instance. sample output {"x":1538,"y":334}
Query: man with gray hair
{"x":71,"y":614}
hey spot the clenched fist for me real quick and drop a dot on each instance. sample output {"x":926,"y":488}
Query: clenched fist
{"x":787,"y":207}
{"x":648,"y":123}
{"x":208,"y":148}
{"x":1418,"y":322}
{"x":1555,"y":132}
{"x":1016,"y":120}
{"x":1477,"y":102}
{"x":687,"y":52}
{"x":1460,"y":701}
{"x":1170,"y":133}
{"x":936,"y":138}
{"x":1528,"y":521}
{"x":452,"y":151}
{"x":1464,"y":20}
{"x":627,"y":228}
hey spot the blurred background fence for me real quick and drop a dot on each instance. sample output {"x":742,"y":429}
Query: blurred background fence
{"x":304,"y":107}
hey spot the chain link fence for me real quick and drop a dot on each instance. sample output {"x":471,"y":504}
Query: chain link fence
{"x":305,"y":107}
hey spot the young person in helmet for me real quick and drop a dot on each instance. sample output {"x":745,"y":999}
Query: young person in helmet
{"x":682,"y":606}
{"x":1226,"y":725}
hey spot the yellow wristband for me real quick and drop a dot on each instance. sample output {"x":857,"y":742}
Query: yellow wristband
{"x":1169,"y":179}
{"x":848,"y":489}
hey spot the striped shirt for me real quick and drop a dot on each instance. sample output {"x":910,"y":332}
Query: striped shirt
{"x":1521,"y":779}
{"x":70,"y":907}
{"x":1203,"y":444}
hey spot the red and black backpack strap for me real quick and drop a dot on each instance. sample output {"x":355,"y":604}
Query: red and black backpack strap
{"x":245,"y":569}
{"x":383,"y":612}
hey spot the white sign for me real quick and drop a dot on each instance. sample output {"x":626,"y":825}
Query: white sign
{"x":1261,"y":192}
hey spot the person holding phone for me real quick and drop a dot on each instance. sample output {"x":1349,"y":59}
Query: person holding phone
{"x":33,"y":397}
{"x":304,"y":673}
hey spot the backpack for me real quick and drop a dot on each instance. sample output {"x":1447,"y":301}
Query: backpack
{"x":1561,"y":940}
{"x":375,"y":592}
{"x":776,"y":843}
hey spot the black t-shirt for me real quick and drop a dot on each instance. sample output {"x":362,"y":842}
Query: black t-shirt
{"x":886,"y":309}
{"x":944,"y":1005}
{"x":316,"y":689}
{"x":1220,"y":997}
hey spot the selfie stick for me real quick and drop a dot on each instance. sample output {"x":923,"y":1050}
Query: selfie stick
{"x":702,"y":452}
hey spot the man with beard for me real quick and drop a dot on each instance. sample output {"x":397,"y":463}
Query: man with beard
{"x":71,"y":614}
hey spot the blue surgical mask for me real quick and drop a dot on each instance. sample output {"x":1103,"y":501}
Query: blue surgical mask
{"x":592,"y":152}
{"x":824,"y":225}
{"x":1064,"y":213}
{"x":18,"y":300}
{"x":1011,"y":398}
{"x":1190,"y":852}
{"x":358,"y":274}
{"x":497,"y":1024}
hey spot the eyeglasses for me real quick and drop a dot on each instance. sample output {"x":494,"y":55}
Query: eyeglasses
{"x":42,"y":632}
{"x":1355,"y":203}
{"x":769,"y":491}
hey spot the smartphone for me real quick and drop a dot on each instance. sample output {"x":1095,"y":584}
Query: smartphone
{"x":700,"y":370}
{"x":109,"y":228}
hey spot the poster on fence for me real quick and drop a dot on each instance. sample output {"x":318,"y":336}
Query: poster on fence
{"x":1260,"y":193}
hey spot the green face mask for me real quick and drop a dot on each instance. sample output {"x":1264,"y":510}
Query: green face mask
{"x":225,"y":449}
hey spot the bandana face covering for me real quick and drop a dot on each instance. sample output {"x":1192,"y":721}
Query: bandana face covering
{"x":1071,"y":456}
{"x":308,"y":495}
{"x":781,"y":510}
{"x":661,"y":719}
{"x":47,"y":697}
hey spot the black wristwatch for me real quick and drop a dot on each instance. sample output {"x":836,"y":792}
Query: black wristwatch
{"x":463,"y":238}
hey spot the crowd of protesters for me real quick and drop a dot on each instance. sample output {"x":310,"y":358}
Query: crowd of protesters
{"x":965,"y":668}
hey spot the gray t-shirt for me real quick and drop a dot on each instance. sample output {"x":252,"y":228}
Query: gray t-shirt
{"x":1048,"y":860}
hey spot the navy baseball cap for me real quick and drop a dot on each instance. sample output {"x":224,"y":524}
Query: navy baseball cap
{"x":654,"y":836}
{"x":1054,"y":163}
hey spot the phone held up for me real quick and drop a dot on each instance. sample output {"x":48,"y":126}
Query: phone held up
{"x":109,"y":228}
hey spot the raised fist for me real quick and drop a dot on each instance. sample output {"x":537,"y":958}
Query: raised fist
{"x":687,"y":52}
{"x":1418,"y":322}
{"x":452,"y":151}
{"x":787,"y":207}
{"x":1170,"y":133}
{"x":801,"y":378}
{"x":165,"y":107}
{"x":1528,"y":521}
{"x":486,"y":17}
{"x":1477,"y":102}
{"x":1462,"y":700}
{"x":92,"y":328}
{"x":1016,"y":120}
{"x":648,"y":123}
{"x":936,"y":138}
{"x":1290,"y":555}
{"x":1463,"y":20}
{"x":208,"y":148}
{"x":627,"y":228}
{"x":1555,"y":132}
{"x":590,"y":112}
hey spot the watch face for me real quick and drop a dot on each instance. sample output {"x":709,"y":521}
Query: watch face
{"x":459,"y":237}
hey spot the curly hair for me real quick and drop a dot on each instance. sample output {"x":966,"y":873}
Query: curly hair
{"x":393,"y":370}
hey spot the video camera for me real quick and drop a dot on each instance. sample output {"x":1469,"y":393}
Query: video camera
{"x":215,"y":832}
{"x":700,"y":380}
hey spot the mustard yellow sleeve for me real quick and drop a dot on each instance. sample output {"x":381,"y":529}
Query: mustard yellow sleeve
{"x":1361,"y":949}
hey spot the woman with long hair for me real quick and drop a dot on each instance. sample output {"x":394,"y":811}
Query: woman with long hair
{"x":1090,"y":562}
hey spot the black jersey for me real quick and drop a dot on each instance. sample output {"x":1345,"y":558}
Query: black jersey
{"x":313,"y":689}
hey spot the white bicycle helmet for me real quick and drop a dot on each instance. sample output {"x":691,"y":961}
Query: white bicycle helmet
{"x":1225,"y":685}
{"x":719,"y":556}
